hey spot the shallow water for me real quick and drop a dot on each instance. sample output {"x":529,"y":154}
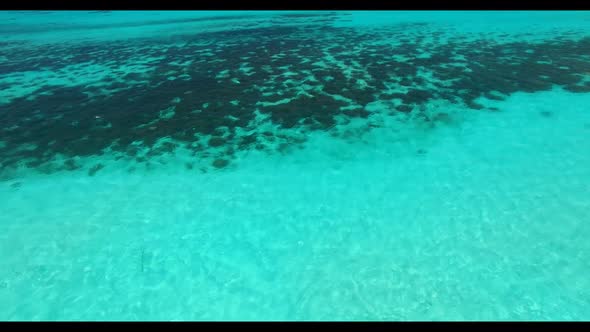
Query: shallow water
{"x":294,"y":165}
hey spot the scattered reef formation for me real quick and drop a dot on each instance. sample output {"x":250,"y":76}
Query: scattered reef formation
{"x":254,"y":88}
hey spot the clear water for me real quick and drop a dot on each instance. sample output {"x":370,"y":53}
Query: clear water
{"x":294,"y":166}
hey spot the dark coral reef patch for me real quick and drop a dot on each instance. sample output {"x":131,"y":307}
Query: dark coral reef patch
{"x":220,"y":86}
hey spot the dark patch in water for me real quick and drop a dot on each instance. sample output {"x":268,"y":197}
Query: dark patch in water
{"x":216,"y":141}
{"x":404,"y":108}
{"x":66,"y":121}
{"x":442,"y":118}
{"x":220,"y":163}
{"x":95,"y":169}
{"x":71,"y":165}
{"x":546,"y":114}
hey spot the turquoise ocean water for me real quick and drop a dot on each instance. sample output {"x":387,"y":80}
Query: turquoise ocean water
{"x":294,"y":165}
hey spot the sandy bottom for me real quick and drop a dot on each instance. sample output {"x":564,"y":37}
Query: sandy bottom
{"x":488,"y":221}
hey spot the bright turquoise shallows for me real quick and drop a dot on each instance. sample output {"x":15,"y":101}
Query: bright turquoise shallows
{"x":294,"y":166}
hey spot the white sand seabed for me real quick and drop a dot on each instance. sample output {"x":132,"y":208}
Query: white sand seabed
{"x":489,"y":223}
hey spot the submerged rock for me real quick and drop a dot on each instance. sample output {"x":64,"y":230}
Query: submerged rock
{"x":71,"y":165}
{"x":216,"y":141}
{"x":95,"y":169}
{"x":405,"y":108}
{"x":220,"y":163}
